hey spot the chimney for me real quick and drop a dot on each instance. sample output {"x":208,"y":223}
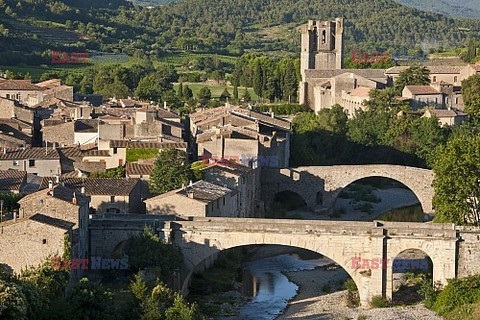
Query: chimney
{"x":165,"y":104}
{"x":273,"y":115}
{"x":50,"y":184}
{"x":74,"y":199}
{"x":190,"y":194}
{"x":57,"y":179}
{"x":82,"y":190}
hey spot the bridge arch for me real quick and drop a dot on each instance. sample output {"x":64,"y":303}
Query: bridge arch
{"x":331,"y":180}
{"x":210,"y":258}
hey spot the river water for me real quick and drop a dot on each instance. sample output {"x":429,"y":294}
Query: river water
{"x":272,"y":289}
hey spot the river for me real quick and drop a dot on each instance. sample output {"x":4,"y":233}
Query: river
{"x":272,"y":289}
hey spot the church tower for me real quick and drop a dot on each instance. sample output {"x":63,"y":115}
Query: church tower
{"x":322,"y":48}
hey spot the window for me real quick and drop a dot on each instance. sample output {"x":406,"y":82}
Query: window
{"x":44,"y":241}
{"x":112,"y":199}
{"x":16,"y":163}
{"x":456,"y":100}
{"x":31,"y":163}
{"x":8,"y":96}
{"x":436,"y":100}
{"x":18,"y":96}
{"x":434,"y":79}
{"x":224,"y":202}
{"x":115,"y":150}
{"x":324,"y":36}
{"x":455,"y":79}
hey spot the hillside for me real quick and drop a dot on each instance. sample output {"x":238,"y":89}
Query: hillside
{"x":450,"y":8}
{"x":212,"y":26}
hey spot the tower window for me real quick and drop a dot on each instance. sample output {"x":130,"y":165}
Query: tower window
{"x":324,"y":36}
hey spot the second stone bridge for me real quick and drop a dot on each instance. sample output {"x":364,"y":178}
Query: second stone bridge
{"x":321,"y":185}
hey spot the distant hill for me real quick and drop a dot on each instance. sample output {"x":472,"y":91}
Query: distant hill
{"x":450,"y":8}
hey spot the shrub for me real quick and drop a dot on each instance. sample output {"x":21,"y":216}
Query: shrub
{"x":429,"y":293}
{"x":457,"y":293}
{"x":350,"y":285}
{"x":379,"y":302}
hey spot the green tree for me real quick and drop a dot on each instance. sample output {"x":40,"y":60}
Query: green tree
{"x":471,"y":96}
{"x":87,"y":300}
{"x":235,"y":92}
{"x":13,"y":303}
{"x":457,"y":180}
{"x":415,"y":75}
{"x":246,"y":95}
{"x":180,"y":91}
{"x":225,"y":95}
{"x":290,"y":82}
{"x":333,"y":120}
{"x":204,"y":95}
{"x":152,"y":87}
{"x":187,"y":93}
{"x":428,"y":136}
{"x":170,"y":171}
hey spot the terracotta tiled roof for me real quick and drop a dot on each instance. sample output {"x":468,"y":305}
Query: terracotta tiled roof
{"x":205,"y":191}
{"x":236,"y":169}
{"x":445,"y":113}
{"x":58,"y":191}
{"x":96,"y":153}
{"x":361,"y":92}
{"x":147,"y":144}
{"x":433,"y":69}
{"x":102,"y":186}
{"x":137,"y":169}
{"x":19,"y":85}
{"x":29,"y":153}
{"x":49,"y":83}
{"x":86,"y":125}
{"x":164,"y":113}
{"x":59,"y":223}
{"x":419,"y":90}
{"x":11,"y":180}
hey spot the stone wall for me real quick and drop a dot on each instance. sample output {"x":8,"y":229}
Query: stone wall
{"x":28,"y":243}
{"x":62,"y":134}
{"x":469,"y":251}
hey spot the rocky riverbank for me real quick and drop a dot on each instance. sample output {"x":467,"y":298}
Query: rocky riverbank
{"x":315,"y":302}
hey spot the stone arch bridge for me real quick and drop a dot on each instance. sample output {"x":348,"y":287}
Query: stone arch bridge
{"x":321,"y":185}
{"x":453,"y":251}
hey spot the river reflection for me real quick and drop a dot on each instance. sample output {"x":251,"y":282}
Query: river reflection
{"x":273,"y":289}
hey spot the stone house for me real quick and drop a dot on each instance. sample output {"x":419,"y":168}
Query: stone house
{"x":354,"y":100}
{"x":422,"y":96}
{"x":38,"y":161}
{"x":449,"y":74}
{"x":245,"y":180}
{"x":110,"y":195}
{"x":447,"y":117}
{"x":237,"y":133}
{"x":85,"y":131}
{"x":200,"y":199}
{"x":45,"y":217}
{"x":23,"y":91}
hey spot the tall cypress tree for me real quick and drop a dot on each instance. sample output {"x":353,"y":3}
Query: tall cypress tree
{"x":235,"y":91}
{"x":180,"y":90}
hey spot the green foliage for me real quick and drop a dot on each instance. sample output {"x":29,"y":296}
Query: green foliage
{"x":225,"y":95}
{"x":350,"y":285}
{"x":147,"y":250}
{"x":457,"y":293}
{"x":10,"y":201}
{"x":137,"y":154}
{"x":471,"y":96}
{"x":170,"y":171}
{"x":406,"y":214}
{"x":204,"y":95}
{"x":415,"y":75}
{"x":118,"y":172}
{"x":161,"y":303}
{"x":87,"y":300}
{"x":379,"y":302}
{"x":457,"y":176}
{"x":13,"y":303}
{"x":429,"y":293}
{"x":155,"y":87}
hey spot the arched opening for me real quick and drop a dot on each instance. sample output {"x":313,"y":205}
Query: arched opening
{"x":378,"y":198}
{"x":265,"y":278}
{"x":285,"y":204}
{"x":411,"y":269}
